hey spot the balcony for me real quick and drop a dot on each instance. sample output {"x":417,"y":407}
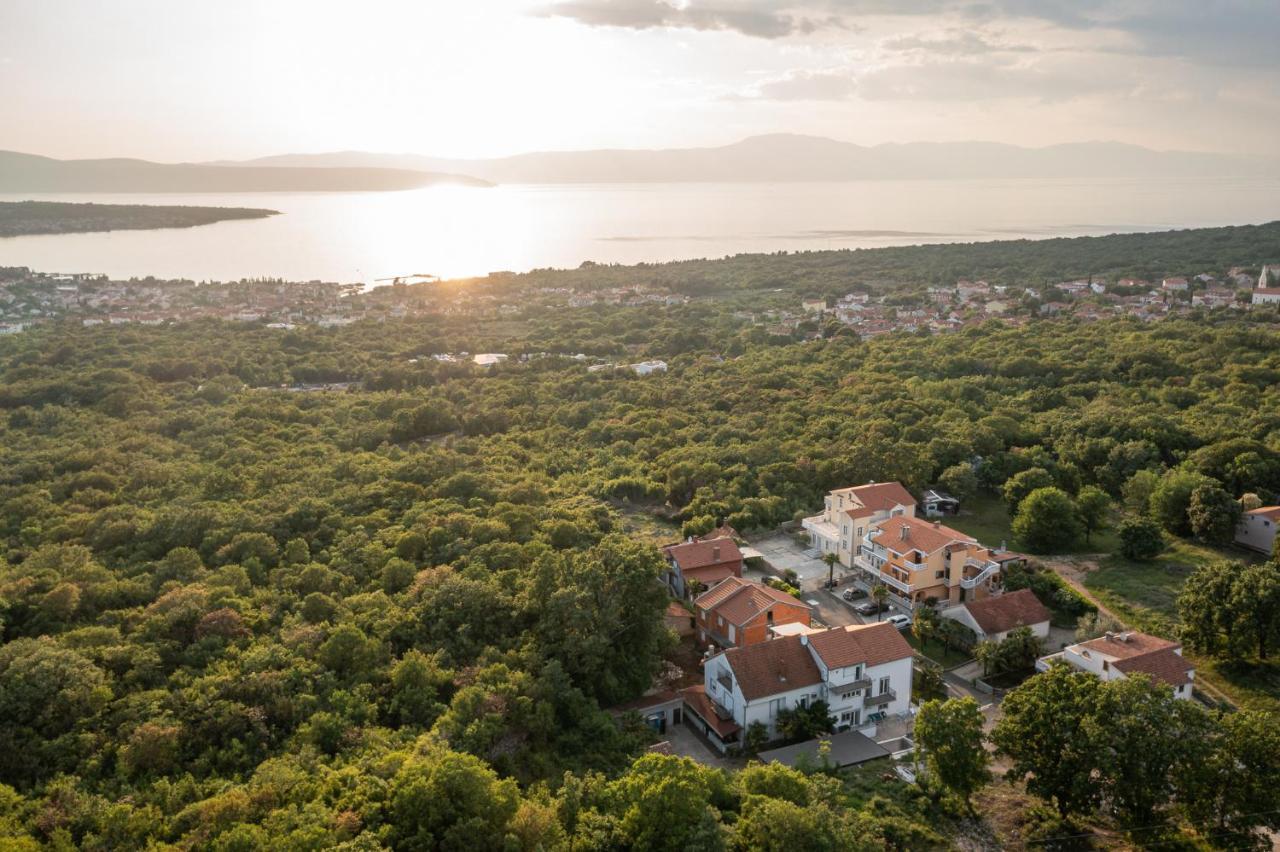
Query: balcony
{"x":880,"y":700}
{"x":818,"y":527}
{"x":725,"y":681}
{"x":988,"y":570}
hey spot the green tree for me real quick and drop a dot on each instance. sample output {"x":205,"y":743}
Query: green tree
{"x":1229,"y":785}
{"x":804,"y":723}
{"x":1094,"y":506}
{"x":1255,"y":602}
{"x":1213,"y":514}
{"x":1047,"y":521}
{"x":949,"y":734}
{"x":1043,"y":730}
{"x":1206,"y":607}
{"x":960,"y":481}
{"x":1137,"y":491}
{"x":449,"y":801}
{"x":1020,"y":486}
{"x":1172,"y":498}
{"x":1141,"y":539}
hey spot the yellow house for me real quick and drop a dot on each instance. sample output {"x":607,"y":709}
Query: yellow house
{"x":848,"y":514}
{"x":920,"y":559}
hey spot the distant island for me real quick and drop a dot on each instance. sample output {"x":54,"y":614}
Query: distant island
{"x":31,"y":173}
{"x":793,"y":157}
{"x":25,"y":218}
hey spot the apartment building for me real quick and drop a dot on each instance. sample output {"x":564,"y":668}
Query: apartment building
{"x":921,"y":560}
{"x":848,"y":514}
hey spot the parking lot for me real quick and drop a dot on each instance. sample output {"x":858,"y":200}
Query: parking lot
{"x":782,"y":552}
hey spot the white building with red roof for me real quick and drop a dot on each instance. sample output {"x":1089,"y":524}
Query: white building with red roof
{"x":849,"y":513}
{"x":1120,"y":655}
{"x":862,"y":671}
{"x":1257,"y":529}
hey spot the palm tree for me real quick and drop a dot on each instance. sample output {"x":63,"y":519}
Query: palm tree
{"x":880,"y":594}
{"x":831,"y":559}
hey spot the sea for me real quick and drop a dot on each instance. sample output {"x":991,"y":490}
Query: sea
{"x":455,"y":232}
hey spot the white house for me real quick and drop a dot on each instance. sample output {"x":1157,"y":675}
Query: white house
{"x":1266,"y":296}
{"x":1118,"y":655}
{"x":1257,"y":529}
{"x":644,"y":368}
{"x":992,"y":619}
{"x":863,"y":672}
{"x":848,"y":514}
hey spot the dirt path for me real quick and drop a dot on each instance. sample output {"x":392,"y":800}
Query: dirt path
{"x":1072,"y":569}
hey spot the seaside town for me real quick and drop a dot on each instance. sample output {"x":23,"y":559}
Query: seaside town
{"x":30,"y":297}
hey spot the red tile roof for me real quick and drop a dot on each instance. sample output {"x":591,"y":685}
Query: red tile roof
{"x":738,"y":600}
{"x":768,"y":668}
{"x":922,"y":535}
{"x":1167,"y":666}
{"x":701,"y":554}
{"x":1271,"y":513}
{"x":870,"y":644}
{"x":1008,"y":611}
{"x":882,"y":496}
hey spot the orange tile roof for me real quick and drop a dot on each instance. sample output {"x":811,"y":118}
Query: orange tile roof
{"x":768,"y":668}
{"x":926,"y":536}
{"x":701,"y":554}
{"x":870,"y":644}
{"x":738,"y":600}
{"x":882,"y":496}
{"x":1008,"y":611}
{"x":1165,"y":665}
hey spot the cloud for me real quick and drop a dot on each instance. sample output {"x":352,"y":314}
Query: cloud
{"x":988,"y":79}
{"x":1217,"y":32}
{"x":953,"y":43}
{"x":759,"y":19}
{"x":834,"y":85}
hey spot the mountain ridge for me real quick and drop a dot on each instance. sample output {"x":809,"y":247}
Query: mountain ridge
{"x":21,"y":172}
{"x":800,"y":157}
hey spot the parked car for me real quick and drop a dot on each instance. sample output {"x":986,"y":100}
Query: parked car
{"x":901,"y":622}
{"x":853,"y":593}
{"x":868,"y":608}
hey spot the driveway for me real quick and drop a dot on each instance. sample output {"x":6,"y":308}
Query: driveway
{"x":686,"y":743}
{"x":783,"y":553}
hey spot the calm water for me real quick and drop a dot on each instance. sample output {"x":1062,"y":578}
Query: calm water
{"x":453,"y":231}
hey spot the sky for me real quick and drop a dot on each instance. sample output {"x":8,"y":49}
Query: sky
{"x":194,"y":80}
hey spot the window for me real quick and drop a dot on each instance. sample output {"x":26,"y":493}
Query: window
{"x":860,"y":532}
{"x":768,"y":616}
{"x":803,"y":701}
{"x":776,"y":705}
{"x":719,"y":621}
{"x":731,"y":637}
{"x":884,"y":685}
{"x":938,"y":575}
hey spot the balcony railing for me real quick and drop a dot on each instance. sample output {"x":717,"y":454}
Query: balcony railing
{"x":880,"y":700}
{"x":981,"y":577}
{"x":724,"y":680}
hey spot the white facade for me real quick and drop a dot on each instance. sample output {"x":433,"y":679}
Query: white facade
{"x":1257,"y":529}
{"x":853,"y":694}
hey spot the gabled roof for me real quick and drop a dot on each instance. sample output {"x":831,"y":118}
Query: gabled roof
{"x":768,"y":668}
{"x":1165,"y":665}
{"x":881,"y":496}
{"x":922,"y":535}
{"x":1271,"y":513}
{"x":700,"y":554}
{"x":738,"y":600}
{"x":870,"y":644}
{"x":1008,"y":611}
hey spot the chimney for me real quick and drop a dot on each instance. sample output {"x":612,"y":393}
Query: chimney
{"x":903,"y":532}
{"x":715,"y":553}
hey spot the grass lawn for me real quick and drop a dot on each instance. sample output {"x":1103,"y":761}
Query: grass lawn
{"x":987,"y":519}
{"x":936,"y":652}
